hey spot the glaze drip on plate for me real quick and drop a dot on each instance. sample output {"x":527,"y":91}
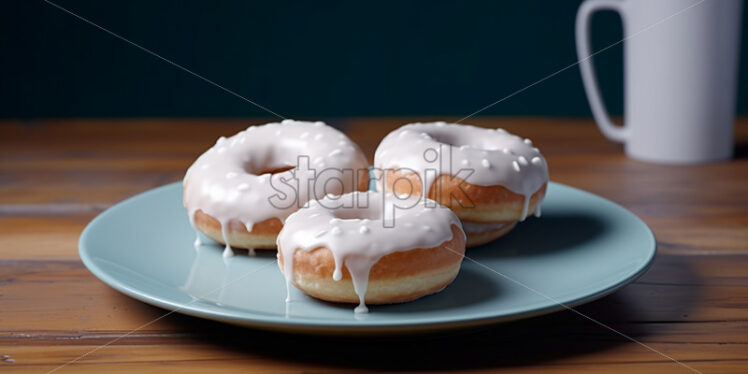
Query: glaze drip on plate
{"x":252,"y":176}
{"x":360,"y":228}
{"x":480,"y":156}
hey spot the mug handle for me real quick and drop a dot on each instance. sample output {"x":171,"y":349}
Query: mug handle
{"x":609,"y":129}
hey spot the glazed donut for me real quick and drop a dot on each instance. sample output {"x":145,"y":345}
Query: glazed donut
{"x":368,"y":247}
{"x":491,"y":179}
{"x":240,"y":191}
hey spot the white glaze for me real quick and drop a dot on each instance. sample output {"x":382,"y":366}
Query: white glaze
{"x":501,"y":158}
{"x":222,"y":183}
{"x":339,"y":226}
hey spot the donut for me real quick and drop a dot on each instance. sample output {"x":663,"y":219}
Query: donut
{"x":371,"y":248}
{"x":490,"y":178}
{"x":241,"y":190}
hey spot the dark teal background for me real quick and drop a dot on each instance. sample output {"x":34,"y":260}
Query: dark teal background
{"x":302,"y":59}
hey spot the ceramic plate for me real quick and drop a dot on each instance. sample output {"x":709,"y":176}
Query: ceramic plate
{"x":582,"y":248}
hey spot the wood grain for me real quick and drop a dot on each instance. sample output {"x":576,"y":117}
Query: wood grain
{"x":55,"y":176}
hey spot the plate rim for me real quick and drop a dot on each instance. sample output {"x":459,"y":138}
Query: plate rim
{"x":313,"y":325}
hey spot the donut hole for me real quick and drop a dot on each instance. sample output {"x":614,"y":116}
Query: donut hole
{"x":447,"y":139}
{"x":456,"y":139}
{"x":266,"y":169}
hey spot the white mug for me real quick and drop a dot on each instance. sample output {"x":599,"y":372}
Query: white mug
{"x":680,"y":75}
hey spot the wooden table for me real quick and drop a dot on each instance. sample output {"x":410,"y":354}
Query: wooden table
{"x":56,"y":175}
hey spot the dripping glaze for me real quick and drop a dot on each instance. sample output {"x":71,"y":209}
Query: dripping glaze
{"x":359,"y":243}
{"x":224,"y":182}
{"x":505,"y":159}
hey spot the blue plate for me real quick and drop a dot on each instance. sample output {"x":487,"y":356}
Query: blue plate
{"x":582,"y":248}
